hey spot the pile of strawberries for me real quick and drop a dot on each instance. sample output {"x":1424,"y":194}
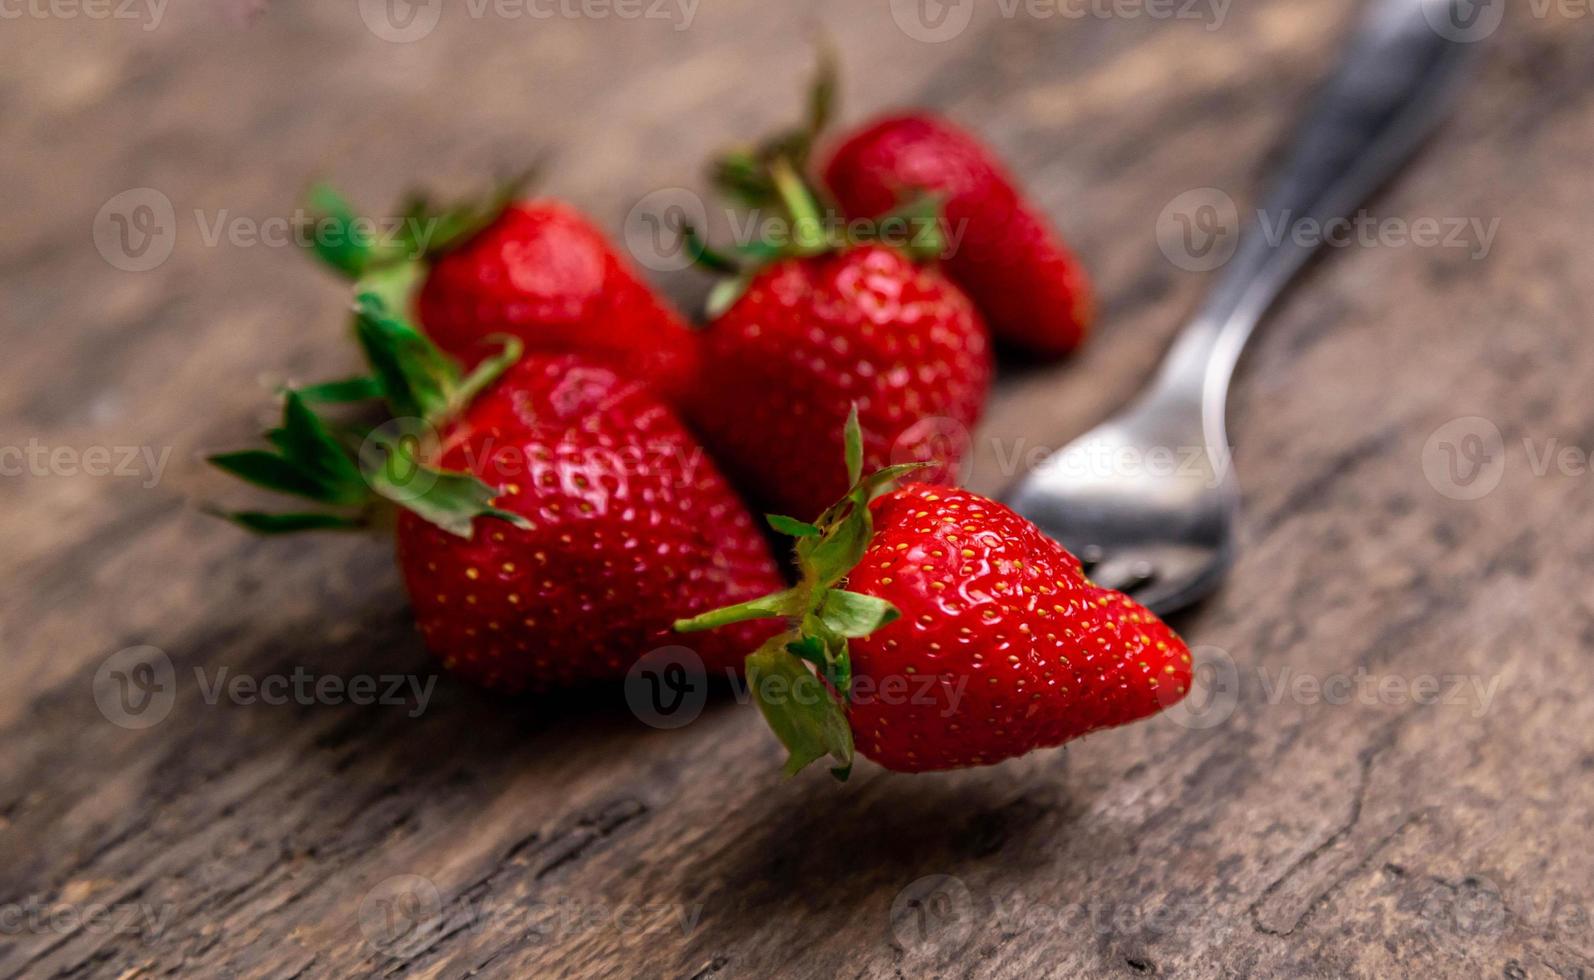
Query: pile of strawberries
{"x":562,"y":449}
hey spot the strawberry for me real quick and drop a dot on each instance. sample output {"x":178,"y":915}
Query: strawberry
{"x":551,"y":521}
{"x":624,"y":513}
{"x":1010,"y":261}
{"x":543,"y":273}
{"x":537,"y":270}
{"x":1000,"y":249}
{"x":836,"y":322}
{"x":963,"y":636}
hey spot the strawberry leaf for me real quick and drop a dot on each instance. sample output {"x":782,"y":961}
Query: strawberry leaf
{"x":872,"y":485}
{"x":340,"y":392}
{"x":453,"y":226}
{"x":821,"y":99}
{"x":705,"y":256}
{"x":744,"y":174}
{"x":838,"y":671}
{"x":835,"y":554}
{"x":740,"y":175}
{"x":809,"y":648}
{"x":417,"y":379}
{"x":852,"y":614}
{"x":791,"y":526}
{"x":306,"y":440}
{"x":423,"y":230}
{"x":309,"y":462}
{"x":272,"y":472}
{"x":263,"y":523}
{"x":920,"y":214}
{"x":805,"y":709}
{"x":450,"y":500}
{"x":333,"y":240}
{"x":803,"y":715}
{"x":852,"y":446}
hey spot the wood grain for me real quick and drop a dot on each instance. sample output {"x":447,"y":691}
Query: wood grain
{"x":1278,"y":834}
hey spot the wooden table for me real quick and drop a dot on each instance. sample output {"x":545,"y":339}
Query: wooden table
{"x":1391,"y":770}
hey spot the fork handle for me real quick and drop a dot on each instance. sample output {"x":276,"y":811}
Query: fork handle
{"x":1397,"y":79}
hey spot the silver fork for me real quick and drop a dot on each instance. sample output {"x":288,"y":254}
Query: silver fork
{"x":1148,"y":500}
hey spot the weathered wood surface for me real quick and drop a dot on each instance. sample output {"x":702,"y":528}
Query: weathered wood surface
{"x":1378,"y":837}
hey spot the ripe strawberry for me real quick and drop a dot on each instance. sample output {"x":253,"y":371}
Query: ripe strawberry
{"x":1046,"y":656}
{"x":964,"y":636}
{"x":1012,"y":264}
{"x":537,"y":270}
{"x":625,"y":518}
{"x":551,"y":523}
{"x":543,"y":273}
{"x":1001,"y":250}
{"x":839,"y":321}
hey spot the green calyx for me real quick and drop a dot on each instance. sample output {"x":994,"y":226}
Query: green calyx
{"x":743,"y":174}
{"x":354,"y":467}
{"x":414,"y":377}
{"x":809,"y":228}
{"x":802,"y":678}
{"x":772,"y":175}
{"x":359,"y":248}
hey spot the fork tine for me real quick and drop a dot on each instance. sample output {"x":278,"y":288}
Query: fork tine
{"x":1122,"y":572}
{"x":1172,"y":592}
{"x":1155,"y":595}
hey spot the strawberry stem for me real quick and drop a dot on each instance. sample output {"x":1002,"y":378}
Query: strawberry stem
{"x":784,"y":604}
{"x":420,"y":230}
{"x":354,"y":468}
{"x":823,"y":618}
{"x":808,"y":224}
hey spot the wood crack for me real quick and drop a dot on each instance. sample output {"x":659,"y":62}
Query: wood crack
{"x":1319,"y":891}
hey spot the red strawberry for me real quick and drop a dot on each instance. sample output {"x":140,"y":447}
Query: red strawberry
{"x":626,"y":519}
{"x":810,"y":337}
{"x":608,"y":515}
{"x":542,"y":272}
{"x":1011,"y":263}
{"x":835,"y":320}
{"x":536,"y":270}
{"x":964,"y":636}
{"x":991,"y":605}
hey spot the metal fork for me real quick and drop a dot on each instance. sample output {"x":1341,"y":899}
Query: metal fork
{"x":1148,"y":500}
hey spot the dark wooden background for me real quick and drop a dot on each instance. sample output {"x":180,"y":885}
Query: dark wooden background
{"x":1272,"y":834}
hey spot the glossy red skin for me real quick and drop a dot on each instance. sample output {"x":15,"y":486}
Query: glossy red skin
{"x":632,"y":527}
{"x":542,"y":272}
{"x":1012,"y":264}
{"x":811,"y":337}
{"x":1020,"y":649}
